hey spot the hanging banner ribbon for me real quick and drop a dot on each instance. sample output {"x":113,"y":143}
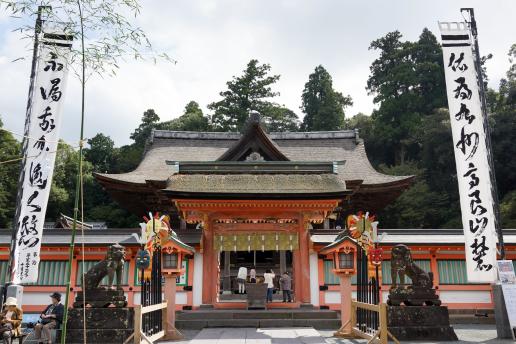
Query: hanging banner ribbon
{"x":44,"y":121}
{"x":469,"y":141}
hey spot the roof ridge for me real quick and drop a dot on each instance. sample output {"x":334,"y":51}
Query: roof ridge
{"x":229,"y":135}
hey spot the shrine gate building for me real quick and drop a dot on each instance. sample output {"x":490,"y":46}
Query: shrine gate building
{"x":253,"y":199}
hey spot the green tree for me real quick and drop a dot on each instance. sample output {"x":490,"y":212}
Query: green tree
{"x":407,"y":82}
{"x":9,"y":171}
{"x":322,"y":105}
{"x":192,"y":119}
{"x":249,"y":92}
{"x":101,"y":153}
{"x":279,"y":118}
{"x":150,"y":120}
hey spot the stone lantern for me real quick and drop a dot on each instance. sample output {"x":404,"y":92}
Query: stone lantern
{"x":173,"y":252}
{"x":343,"y":252}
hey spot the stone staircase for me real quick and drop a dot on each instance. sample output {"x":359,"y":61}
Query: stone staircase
{"x":202,"y":318}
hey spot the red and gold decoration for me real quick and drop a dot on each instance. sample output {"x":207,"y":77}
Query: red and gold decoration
{"x":362,"y":227}
{"x":155,"y":229}
{"x":375,"y":256}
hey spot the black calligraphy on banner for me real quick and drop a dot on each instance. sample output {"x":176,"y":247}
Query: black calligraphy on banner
{"x":479,"y":250}
{"x":468,"y":143}
{"x":36,"y":176}
{"x":44,"y":114}
{"x":462,"y":91}
{"x":52,"y":64}
{"x":54,"y":93}
{"x":457,"y":64}
{"x":464,"y":113}
{"x":46,"y":124}
{"x":29,"y":232}
{"x":32,"y":204}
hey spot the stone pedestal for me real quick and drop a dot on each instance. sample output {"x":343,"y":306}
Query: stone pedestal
{"x":256,"y":295}
{"x":99,"y":298}
{"x":103,"y":325}
{"x":420,"y":323}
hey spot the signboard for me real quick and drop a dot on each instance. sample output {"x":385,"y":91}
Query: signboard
{"x":182,"y":280}
{"x":471,"y":159}
{"x":509,"y":296}
{"x":506,"y":272}
{"x":43,"y":121}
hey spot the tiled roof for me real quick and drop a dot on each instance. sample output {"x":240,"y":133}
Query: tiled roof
{"x":256,"y":183}
{"x":298,"y":146}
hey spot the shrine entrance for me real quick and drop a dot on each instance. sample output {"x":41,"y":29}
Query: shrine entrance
{"x":234,"y":232}
{"x":260,"y":261}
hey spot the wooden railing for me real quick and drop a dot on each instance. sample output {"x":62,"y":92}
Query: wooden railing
{"x":368,"y":328}
{"x":139,"y":335}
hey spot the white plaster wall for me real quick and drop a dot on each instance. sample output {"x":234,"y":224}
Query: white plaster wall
{"x":465,"y":296}
{"x":181,"y":298}
{"x":333,"y":297}
{"x":197,"y":279}
{"x":314,"y":279}
{"x":137,"y":297}
{"x":36,"y":298}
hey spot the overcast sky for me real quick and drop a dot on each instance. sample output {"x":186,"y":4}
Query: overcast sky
{"x":214,"y":40}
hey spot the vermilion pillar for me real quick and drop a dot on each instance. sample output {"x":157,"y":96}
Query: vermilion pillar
{"x":209,"y":268}
{"x":303,"y":289}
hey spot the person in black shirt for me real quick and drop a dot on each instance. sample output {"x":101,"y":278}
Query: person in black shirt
{"x":51,"y":318}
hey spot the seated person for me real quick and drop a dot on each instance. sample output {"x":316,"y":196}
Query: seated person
{"x":51,"y":318}
{"x":10,"y":319}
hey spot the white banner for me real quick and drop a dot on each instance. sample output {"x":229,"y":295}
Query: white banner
{"x":469,"y":140}
{"x":43,"y":135}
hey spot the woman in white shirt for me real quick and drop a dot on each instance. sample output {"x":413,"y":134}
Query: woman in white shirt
{"x":268,"y":278}
{"x":241,"y":279}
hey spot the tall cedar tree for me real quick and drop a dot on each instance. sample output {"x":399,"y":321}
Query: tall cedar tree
{"x":322,"y":105}
{"x":250,"y":92}
{"x":407,"y":80}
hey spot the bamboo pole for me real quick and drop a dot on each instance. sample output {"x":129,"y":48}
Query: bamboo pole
{"x":77,"y":187}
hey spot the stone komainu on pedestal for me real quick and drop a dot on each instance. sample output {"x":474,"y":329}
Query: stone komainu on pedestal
{"x":104,"y":323}
{"x":97,"y":296}
{"x":414,"y":312}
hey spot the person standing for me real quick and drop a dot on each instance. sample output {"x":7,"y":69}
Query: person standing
{"x":268,"y":278}
{"x":51,"y":318}
{"x":252,"y":275}
{"x":286,"y":286}
{"x":10,"y":319}
{"x":241,"y":279}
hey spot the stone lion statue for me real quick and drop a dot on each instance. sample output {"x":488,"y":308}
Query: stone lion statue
{"x":402,"y":265}
{"x":113,"y":263}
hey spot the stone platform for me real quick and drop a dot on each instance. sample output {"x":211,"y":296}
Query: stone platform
{"x":420,"y":323}
{"x":104,"y":325}
{"x":209,"y":318}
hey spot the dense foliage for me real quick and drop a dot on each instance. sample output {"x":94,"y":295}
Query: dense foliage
{"x":408,"y":134}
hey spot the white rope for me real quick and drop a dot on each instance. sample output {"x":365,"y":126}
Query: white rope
{"x":33,"y":138}
{"x":32,"y":156}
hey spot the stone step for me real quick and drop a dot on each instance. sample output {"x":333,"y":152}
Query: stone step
{"x":471,"y":319}
{"x":273,"y":314}
{"x":320,"y":324}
